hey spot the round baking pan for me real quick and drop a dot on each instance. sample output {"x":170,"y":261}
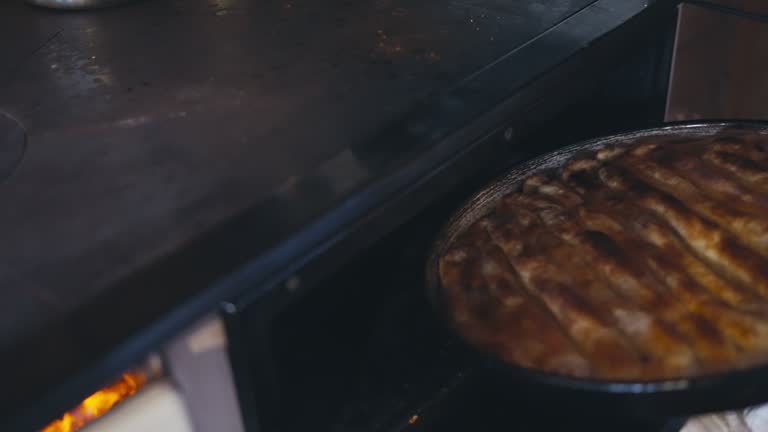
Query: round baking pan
{"x":663,"y":398}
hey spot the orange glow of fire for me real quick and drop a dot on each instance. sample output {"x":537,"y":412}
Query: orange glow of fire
{"x":97,"y":404}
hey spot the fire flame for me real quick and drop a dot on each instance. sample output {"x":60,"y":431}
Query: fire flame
{"x":97,"y":404}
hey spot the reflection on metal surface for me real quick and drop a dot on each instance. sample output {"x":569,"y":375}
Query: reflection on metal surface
{"x":77,"y":71}
{"x":344,"y":172}
{"x":13,"y":140}
{"x":75,"y":4}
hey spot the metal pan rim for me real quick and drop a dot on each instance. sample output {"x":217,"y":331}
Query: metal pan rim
{"x":474,"y":207}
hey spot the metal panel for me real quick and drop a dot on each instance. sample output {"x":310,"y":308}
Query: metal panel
{"x":719,"y":67}
{"x":198,"y":361}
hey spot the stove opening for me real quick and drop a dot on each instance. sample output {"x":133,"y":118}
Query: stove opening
{"x":105,"y":399}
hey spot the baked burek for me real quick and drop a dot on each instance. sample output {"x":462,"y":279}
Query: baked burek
{"x":644,"y":261}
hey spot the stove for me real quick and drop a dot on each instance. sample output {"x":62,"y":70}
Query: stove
{"x":376,"y":359}
{"x":365,"y":351}
{"x":270,"y":210}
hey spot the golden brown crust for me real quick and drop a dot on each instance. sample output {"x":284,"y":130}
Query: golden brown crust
{"x":612,"y":252}
{"x":711,"y":242}
{"x":496,"y":298}
{"x":754,"y":172}
{"x":646,"y":261}
{"x":593,"y":330}
{"x":708,"y":198}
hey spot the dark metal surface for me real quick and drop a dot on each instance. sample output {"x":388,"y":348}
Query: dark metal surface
{"x":643,"y":399}
{"x":75,"y":4}
{"x":184,"y":153}
{"x":720,"y":65}
{"x":153,"y":122}
{"x":13,"y":141}
{"x":747,"y":6}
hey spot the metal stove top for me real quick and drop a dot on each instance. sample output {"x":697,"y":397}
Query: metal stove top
{"x":182,"y":153}
{"x":13,"y":141}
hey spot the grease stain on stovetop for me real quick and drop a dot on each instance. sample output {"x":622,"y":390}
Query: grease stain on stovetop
{"x":13,"y":142}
